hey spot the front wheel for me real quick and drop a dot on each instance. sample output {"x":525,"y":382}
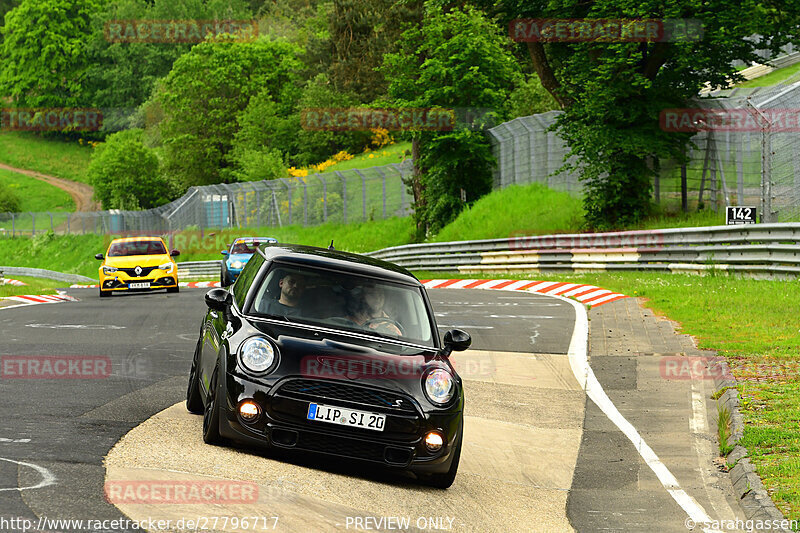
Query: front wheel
{"x":194,"y":403}
{"x":225,"y":278}
{"x":104,"y":294}
{"x":173,"y":289}
{"x":211,"y":414}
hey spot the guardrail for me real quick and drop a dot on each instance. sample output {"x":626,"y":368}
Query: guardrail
{"x":760,"y":249}
{"x":46,"y":274}
{"x":199,"y":269}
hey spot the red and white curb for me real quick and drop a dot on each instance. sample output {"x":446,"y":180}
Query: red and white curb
{"x":35,"y":299}
{"x":586,"y":294}
{"x":187,"y":284}
{"x":14,"y":282}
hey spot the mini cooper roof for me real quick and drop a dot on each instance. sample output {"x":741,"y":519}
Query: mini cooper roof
{"x":337,"y":260}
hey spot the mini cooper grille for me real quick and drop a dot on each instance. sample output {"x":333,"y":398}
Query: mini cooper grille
{"x":145,"y":271}
{"x":330,"y":390}
{"x":341,"y":446}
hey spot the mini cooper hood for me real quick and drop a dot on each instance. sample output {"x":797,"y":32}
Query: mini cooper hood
{"x":131,"y":261}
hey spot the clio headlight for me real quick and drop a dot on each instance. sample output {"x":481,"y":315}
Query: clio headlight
{"x":109,"y":270}
{"x":440,"y":386}
{"x":257,"y":355}
{"x":166,"y":266}
{"x":237,"y":265}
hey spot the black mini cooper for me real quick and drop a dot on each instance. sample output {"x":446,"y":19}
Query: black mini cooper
{"x":328,"y":352}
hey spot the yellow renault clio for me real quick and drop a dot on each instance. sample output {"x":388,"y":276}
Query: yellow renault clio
{"x":138,"y":263}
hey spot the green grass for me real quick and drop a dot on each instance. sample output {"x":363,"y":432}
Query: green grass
{"x":73,"y":254}
{"x":749,"y":322}
{"x":394,"y":153}
{"x":34,"y":286}
{"x":63,"y":159}
{"x":36,"y":195}
{"x":360,"y":237}
{"x":516,"y":210}
{"x":773,"y":78}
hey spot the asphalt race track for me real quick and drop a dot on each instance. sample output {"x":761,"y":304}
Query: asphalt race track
{"x":531,"y":437}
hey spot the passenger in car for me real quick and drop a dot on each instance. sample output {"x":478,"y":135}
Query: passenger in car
{"x":292,"y":288}
{"x":365,"y":307}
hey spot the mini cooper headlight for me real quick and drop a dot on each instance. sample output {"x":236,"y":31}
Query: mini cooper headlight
{"x":439,"y":386}
{"x":257,"y":355}
{"x":237,"y":265}
{"x":166,"y":266}
{"x":109,"y":270}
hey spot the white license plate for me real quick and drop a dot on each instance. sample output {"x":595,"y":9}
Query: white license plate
{"x":139,"y":285}
{"x":346,"y":417}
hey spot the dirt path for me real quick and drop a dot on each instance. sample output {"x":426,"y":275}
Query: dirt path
{"x":81,"y":193}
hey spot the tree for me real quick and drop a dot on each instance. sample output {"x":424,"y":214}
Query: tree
{"x":456,"y":60}
{"x":612,"y":92}
{"x":126,"y":174}
{"x":122,"y":75}
{"x":44,"y":55}
{"x":204,"y":95}
{"x":361,"y":33}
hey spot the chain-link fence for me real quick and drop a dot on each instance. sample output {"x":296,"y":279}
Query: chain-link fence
{"x":750,"y":157}
{"x":339,"y":197}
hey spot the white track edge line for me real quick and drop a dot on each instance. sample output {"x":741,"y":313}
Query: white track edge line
{"x":579,"y":362}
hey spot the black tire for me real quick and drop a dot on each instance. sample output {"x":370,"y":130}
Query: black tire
{"x":225,"y":279}
{"x":173,"y":290}
{"x":211,"y":413}
{"x":104,"y":294}
{"x":443,"y":481}
{"x":194,"y":403}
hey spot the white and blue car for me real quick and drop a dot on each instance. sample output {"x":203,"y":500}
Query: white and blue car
{"x":240,"y":252}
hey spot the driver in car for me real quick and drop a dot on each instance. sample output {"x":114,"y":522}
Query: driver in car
{"x":368,"y":310}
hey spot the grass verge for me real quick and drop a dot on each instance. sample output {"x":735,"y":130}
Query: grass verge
{"x":34,"y":286}
{"x":36,"y":195}
{"x":749,"y":322}
{"x":394,"y":153}
{"x":63,"y":159}
{"x":775,"y":77}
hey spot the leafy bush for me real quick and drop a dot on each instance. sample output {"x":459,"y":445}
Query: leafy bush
{"x":126,"y":174}
{"x":530,"y":98}
{"x":9,"y":202}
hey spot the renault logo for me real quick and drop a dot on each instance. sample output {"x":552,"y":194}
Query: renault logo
{"x":138,"y":270}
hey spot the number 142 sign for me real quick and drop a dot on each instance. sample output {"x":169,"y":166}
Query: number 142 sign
{"x":737,"y":214}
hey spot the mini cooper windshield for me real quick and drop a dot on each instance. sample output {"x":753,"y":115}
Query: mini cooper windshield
{"x":340,"y":300}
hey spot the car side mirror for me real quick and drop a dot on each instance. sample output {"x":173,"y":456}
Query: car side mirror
{"x":174,"y":253}
{"x":99,"y":257}
{"x":218,"y":299}
{"x":225,"y":253}
{"x":457,"y":340}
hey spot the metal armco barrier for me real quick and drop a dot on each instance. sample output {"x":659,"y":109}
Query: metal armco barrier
{"x":199,"y":269}
{"x":763,"y":250}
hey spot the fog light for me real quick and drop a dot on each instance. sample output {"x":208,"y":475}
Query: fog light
{"x":434,"y":441}
{"x":249,"y":411}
